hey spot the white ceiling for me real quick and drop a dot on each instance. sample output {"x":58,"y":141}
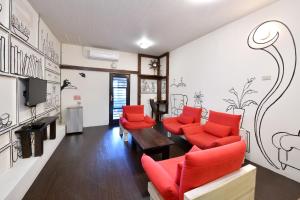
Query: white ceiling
{"x":118,"y":24}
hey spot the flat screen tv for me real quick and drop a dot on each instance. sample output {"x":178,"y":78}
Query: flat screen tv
{"x":36,"y":91}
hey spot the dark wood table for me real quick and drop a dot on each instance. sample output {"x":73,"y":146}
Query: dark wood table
{"x":151,"y":142}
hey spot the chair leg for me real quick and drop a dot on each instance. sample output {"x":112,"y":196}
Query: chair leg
{"x":169,"y":134}
{"x":125,"y":136}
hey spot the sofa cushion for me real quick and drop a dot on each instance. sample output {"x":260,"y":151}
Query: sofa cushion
{"x":161,"y":180}
{"x":215,"y":129}
{"x":193,"y":112}
{"x":202,"y":167}
{"x":226,"y":119}
{"x":174,"y":127}
{"x":170,"y":165}
{"x":202,"y":139}
{"x":186,"y":119}
{"x":136,"y":109}
{"x":137,"y":125}
{"x":135,"y":117}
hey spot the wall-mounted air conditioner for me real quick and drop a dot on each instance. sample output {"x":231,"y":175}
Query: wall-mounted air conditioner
{"x":100,"y":54}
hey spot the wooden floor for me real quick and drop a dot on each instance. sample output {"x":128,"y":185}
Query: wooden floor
{"x":99,"y":165}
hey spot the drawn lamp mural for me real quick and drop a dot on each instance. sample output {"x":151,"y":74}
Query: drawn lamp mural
{"x":267,"y":37}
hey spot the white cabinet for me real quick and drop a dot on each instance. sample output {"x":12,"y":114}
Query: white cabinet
{"x":74,"y":119}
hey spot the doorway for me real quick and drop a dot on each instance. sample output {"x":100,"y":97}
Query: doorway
{"x":119,"y":93}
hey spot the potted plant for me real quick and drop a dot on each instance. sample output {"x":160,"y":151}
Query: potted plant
{"x":239,"y":103}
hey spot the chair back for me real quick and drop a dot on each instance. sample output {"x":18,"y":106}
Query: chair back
{"x":135,"y":109}
{"x":227,"y":120}
{"x":194,"y":112}
{"x":153,"y":106}
{"x":201,"y":167}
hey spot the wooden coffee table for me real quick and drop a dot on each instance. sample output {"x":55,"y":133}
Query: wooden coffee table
{"x":151,"y":142}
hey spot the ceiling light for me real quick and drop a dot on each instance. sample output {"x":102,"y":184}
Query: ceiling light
{"x":145,"y":43}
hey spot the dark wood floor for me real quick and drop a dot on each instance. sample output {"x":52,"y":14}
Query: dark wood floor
{"x":99,"y":165}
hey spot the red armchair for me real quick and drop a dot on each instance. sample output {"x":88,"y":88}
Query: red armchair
{"x":189,"y":116}
{"x":134,"y":118}
{"x":220,"y":129}
{"x":172,"y":179}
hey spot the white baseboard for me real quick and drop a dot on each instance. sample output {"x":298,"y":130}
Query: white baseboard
{"x":15,"y":182}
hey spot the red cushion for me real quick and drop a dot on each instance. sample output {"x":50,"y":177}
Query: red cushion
{"x":193,"y":112}
{"x":194,"y":148}
{"x":136,"y":109}
{"x":186,"y":119}
{"x":161,"y":180}
{"x":170,"y":165}
{"x":202,"y":139}
{"x":174,"y":127}
{"x":137,"y":125}
{"x":217,"y":129}
{"x":226,"y":119}
{"x":135,"y":117}
{"x":202,"y":167}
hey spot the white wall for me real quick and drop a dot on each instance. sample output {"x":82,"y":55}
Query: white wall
{"x":73,"y":55}
{"x":215,"y":63}
{"x":94,"y":89}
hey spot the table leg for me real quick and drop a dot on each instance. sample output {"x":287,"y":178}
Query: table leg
{"x":166,"y":152}
{"x":38,"y":144}
{"x":25,"y":140}
{"x":45,"y":134}
{"x":53,"y":130}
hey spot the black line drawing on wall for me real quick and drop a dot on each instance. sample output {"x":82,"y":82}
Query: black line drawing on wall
{"x":179,"y":84}
{"x":82,"y":75}
{"x":19,"y":28}
{"x":52,"y":97}
{"x":67,"y":85}
{"x":48,"y":46}
{"x":238,"y":105}
{"x":163,"y":87}
{"x":25,"y":64}
{"x":198,"y":100}
{"x":288,"y":146}
{"x":154,"y":65}
{"x":177,"y":103}
{"x":3,"y":61}
{"x":5,"y":121}
{"x":0,"y":7}
{"x":269,"y":41}
{"x":149,"y":87}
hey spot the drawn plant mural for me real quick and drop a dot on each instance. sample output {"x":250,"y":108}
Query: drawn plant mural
{"x":198,"y":100}
{"x":266,"y":37}
{"x":240,"y":101}
{"x":179,"y":84}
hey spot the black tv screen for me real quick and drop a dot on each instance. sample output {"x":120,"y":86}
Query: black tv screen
{"x":36,"y":91}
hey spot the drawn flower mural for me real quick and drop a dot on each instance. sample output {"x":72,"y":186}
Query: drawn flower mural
{"x":266,"y":37}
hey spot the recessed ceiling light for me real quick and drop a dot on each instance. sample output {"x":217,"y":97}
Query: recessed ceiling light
{"x":145,"y":43}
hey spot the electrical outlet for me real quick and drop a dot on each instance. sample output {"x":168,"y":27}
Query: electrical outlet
{"x":266,"y":78}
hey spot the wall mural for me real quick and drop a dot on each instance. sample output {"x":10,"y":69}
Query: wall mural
{"x":4,"y":52}
{"x":24,"y":21}
{"x":4,"y":13}
{"x":198,"y":100}
{"x":238,"y":106}
{"x":179,"y":84}
{"x":271,"y":43}
{"x":177,"y":103}
{"x":148,"y":86}
{"x":5,"y":121}
{"x":48,"y":44}
{"x":53,"y":99}
{"x":26,"y":62}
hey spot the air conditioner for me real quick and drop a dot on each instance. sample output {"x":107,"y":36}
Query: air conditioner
{"x":100,"y":54}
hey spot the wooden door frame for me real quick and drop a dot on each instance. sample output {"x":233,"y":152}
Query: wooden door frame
{"x":111,"y":75}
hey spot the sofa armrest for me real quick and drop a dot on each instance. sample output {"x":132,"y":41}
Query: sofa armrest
{"x":123,"y":121}
{"x":170,"y":119}
{"x":149,"y":120}
{"x":226,"y":140}
{"x":162,"y":181}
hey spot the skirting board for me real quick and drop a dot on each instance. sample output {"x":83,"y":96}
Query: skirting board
{"x":16,"y":181}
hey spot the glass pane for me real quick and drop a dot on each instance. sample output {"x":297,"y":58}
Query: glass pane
{"x":119,"y":82}
{"x":119,"y":96}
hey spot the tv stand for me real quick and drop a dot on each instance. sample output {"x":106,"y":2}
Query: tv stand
{"x":39,"y":133}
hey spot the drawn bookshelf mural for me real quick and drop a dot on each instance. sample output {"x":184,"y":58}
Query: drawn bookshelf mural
{"x":48,"y":43}
{"x":8,"y":103}
{"x":198,"y":101}
{"x":4,"y":13}
{"x":239,"y":103}
{"x":283,"y":51}
{"x":4,"y":52}
{"x":25,"y":61}
{"x":24,"y":21}
{"x":50,"y":66}
{"x":53,"y":96}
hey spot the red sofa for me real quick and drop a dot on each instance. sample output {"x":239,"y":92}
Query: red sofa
{"x":189,"y":116}
{"x":176,"y":176}
{"x":220,"y":129}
